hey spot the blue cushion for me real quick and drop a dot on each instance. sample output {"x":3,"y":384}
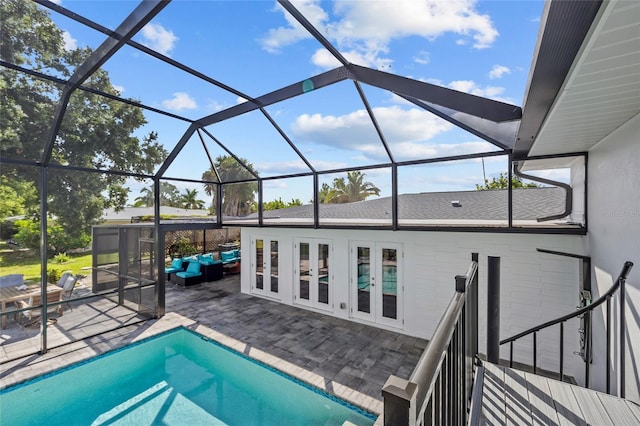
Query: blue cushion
{"x":188,"y":274}
{"x":176,"y":263}
{"x":193,"y":268}
{"x":228,"y":256}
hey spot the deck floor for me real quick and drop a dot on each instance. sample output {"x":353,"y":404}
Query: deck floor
{"x":515,"y":397}
{"x":344,"y":358}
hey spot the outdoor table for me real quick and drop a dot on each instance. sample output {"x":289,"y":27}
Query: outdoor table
{"x":11,"y":294}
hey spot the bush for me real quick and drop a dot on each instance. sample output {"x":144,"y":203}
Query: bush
{"x":53,"y":275}
{"x":61,"y":258}
{"x":7,"y":229}
{"x":58,"y":241}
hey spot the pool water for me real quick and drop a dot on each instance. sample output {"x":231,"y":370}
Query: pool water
{"x":177,"y":378}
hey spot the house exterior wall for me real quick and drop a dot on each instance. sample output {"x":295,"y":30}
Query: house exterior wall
{"x":535,"y":287}
{"x":614,"y":237}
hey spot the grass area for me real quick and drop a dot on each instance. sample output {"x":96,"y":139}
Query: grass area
{"x":27,"y":262}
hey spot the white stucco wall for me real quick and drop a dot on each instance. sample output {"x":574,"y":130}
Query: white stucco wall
{"x":614,"y":237}
{"x":535,"y":287}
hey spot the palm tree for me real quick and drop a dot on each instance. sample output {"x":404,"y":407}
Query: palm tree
{"x":145,"y":199}
{"x":325,"y":194}
{"x":354,"y":189}
{"x":169,"y":196}
{"x":238,"y":198}
{"x":189,"y":200}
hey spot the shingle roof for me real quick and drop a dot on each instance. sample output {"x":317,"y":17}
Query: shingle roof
{"x":528,"y":204}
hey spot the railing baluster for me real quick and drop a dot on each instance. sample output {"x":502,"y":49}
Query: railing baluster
{"x":562,"y":351}
{"x":608,"y":344}
{"x":535,"y":352}
{"x":511,"y":354}
{"x":587,"y":349}
{"x":623,"y":340}
{"x":587,"y":312}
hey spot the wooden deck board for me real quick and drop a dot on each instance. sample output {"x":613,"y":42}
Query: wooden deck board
{"x":512,"y":397}
{"x":617,"y":409}
{"x":543,"y":411}
{"x":591,"y":406}
{"x":518,"y":409}
{"x":493,"y":402}
{"x":635,"y":409}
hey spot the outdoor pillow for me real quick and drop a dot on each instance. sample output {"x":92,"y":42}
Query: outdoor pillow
{"x":176,"y":263}
{"x":227,"y":255}
{"x":194,"y":268}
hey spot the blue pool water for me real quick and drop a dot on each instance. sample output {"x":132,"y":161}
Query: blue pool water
{"x":177,"y":378}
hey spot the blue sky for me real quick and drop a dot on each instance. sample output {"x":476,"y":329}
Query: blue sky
{"x":479,"y":47}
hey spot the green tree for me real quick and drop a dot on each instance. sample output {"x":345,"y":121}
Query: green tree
{"x":325,"y":194}
{"x":189,"y":200}
{"x":95,"y":132}
{"x":169,"y":196}
{"x":237,"y":198}
{"x":17,"y":198}
{"x":354,"y":188}
{"x":277,"y":204}
{"x":145,"y":199}
{"x":502,"y":182}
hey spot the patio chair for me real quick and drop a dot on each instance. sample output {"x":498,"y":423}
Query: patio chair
{"x":193,"y":275}
{"x":177,"y":265}
{"x":36,"y":300}
{"x":67,"y":288}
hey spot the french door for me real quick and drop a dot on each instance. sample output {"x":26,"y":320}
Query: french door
{"x":376,"y":282}
{"x":264,"y":267}
{"x":313,"y":275}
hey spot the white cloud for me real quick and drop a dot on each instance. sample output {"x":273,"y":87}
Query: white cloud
{"x":410,"y":150}
{"x":469,"y":86}
{"x":364,"y":29}
{"x":422,"y":58}
{"x":158,"y":38}
{"x":179,"y":102}
{"x":213,"y":106}
{"x":354,"y":131}
{"x":279,"y":37}
{"x":69,"y":43}
{"x":498,"y":71}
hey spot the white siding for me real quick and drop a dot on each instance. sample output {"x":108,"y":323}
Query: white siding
{"x":614,"y":236}
{"x":535,"y":287}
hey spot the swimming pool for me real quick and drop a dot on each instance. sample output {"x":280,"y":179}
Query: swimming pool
{"x":176,"y":378}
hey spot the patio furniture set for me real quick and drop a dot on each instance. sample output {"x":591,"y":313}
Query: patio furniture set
{"x":13,"y":289}
{"x":190,"y":270}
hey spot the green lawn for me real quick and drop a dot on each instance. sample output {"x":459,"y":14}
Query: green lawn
{"x":28,"y":263}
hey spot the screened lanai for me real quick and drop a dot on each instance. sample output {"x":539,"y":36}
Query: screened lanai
{"x":257,"y":120}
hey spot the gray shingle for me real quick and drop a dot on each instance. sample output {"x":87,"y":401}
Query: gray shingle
{"x":528,"y":204}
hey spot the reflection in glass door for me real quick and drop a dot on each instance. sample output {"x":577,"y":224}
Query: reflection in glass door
{"x":265,"y":261}
{"x":313,"y":276}
{"x":376,"y":282}
{"x":259,"y":265}
{"x":273,"y":267}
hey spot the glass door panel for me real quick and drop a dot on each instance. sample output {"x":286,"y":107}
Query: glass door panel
{"x":304,"y":273}
{"x":313,"y":273}
{"x":274,"y":267}
{"x":265,"y":267}
{"x":364,"y":280}
{"x":323,"y":273}
{"x":376,"y":282}
{"x":390,"y":283}
{"x":259,"y":265}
